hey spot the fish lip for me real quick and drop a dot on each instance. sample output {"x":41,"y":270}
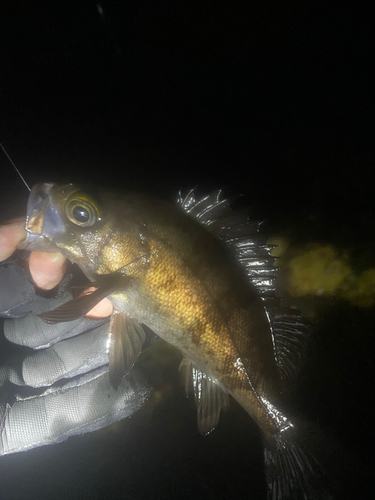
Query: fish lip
{"x":35,"y":240}
{"x":36,"y":243}
{"x":37,"y":204}
{"x":43,"y":219}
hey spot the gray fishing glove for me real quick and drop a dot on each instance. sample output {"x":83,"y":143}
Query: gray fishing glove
{"x":68,"y":362}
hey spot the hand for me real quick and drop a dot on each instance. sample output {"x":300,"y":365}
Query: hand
{"x":75,"y":351}
{"x":46,"y":269}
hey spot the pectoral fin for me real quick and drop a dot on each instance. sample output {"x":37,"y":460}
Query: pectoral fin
{"x":76,"y":308}
{"x":126,"y":338}
{"x":209,"y":397}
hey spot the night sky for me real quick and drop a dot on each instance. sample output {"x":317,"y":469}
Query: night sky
{"x":273,"y":100}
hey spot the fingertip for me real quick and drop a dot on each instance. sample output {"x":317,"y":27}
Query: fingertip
{"x":11,"y":234}
{"x":47,"y":269}
{"x":101,"y":310}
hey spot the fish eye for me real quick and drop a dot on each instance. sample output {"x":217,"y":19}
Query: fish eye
{"x":81,"y":213}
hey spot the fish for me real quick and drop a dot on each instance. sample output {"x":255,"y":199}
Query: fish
{"x":201,"y":277}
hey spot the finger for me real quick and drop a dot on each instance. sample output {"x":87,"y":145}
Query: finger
{"x":47,"y":269}
{"x":83,"y":405}
{"x":17,"y":292}
{"x":32,"y":331}
{"x":11,"y":234}
{"x":11,"y":374}
{"x":101,"y":310}
{"x":67,"y":359}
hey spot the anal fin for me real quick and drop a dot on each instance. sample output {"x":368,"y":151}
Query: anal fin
{"x":209,"y":397}
{"x":126,"y":338}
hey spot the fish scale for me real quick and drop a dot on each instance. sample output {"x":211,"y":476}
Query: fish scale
{"x":201,"y":277}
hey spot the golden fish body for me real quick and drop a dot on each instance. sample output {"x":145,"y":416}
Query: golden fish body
{"x":173,"y":275}
{"x":189,"y":290}
{"x":184,"y":285}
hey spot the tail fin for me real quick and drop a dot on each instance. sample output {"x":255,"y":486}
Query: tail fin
{"x":292,"y":469}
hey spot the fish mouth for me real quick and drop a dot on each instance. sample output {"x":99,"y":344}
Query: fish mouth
{"x":42,"y":220}
{"x":37,"y":243}
{"x":37,"y":205}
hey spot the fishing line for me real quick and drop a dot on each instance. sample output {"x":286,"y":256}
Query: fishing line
{"x":16,"y":169}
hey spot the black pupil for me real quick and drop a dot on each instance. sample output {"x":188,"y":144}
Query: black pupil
{"x":81,"y":214}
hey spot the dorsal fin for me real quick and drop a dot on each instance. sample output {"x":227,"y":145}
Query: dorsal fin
{"x":292,"y":337}
{"x":206,"y":209}
{"x":291,"y":333}
{"x":240,"y":233}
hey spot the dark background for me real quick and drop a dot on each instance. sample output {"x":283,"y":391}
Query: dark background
{"x":270,"y":99}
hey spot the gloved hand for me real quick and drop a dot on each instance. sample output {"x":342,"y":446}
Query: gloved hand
{"x":68,"y":360}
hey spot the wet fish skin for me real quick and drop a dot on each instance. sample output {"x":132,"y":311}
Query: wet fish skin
{"x":165,"y":270}
{"x":184,"y":285}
